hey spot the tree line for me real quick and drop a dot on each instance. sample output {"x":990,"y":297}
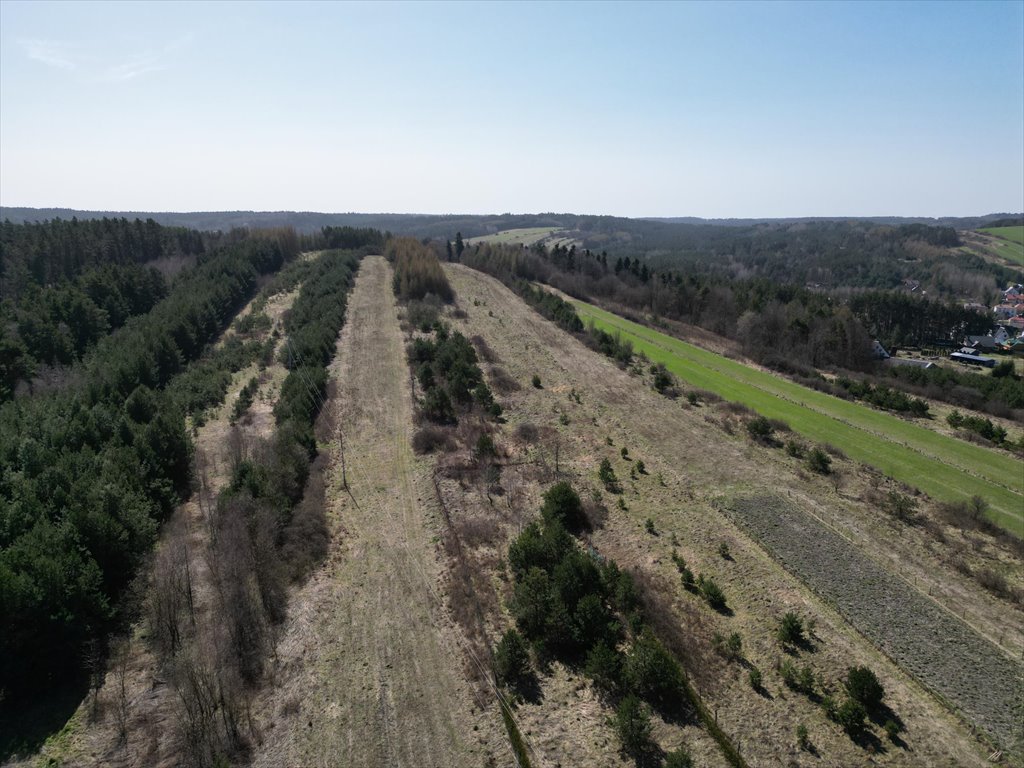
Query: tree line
{"x":88,"y":472}
{"x":64,"y":285}
{"x":49,"y":252}
{"x":267,"y":528}
{"x":789,"y":328}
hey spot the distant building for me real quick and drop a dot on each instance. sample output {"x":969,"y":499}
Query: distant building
{"x":980,"y":342}
{"x":912,"y":362}
{"x":1005,"y":310}
{"x":960,"y":357}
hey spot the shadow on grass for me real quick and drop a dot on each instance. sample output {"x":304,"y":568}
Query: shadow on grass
{"x":26,"y":722}
{"x":528,"y":690}
{"x":865,"y":739}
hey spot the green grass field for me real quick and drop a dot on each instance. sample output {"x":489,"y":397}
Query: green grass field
{"x":524,"y":236}
{"x":942,"y":466}
{"x":1011,"y":242}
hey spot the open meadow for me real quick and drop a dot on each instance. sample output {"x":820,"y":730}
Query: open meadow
{"x":941,"y":466}
{"x":1008,"y":242}
{"x":523,"y":236}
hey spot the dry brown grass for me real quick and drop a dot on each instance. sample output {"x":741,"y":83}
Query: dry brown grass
{"x":699,"y":464}
{"x":370,"y":646}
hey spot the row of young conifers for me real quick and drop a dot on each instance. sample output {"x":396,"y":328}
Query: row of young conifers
{"x":266,"y":529}
{"x":92,"y":466}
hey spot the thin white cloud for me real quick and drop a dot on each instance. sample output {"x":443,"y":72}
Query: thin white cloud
{"x":132,"y":69}
{"x":108,"y":68}
{"x":151,"y":60}
{"x":51,"y":53}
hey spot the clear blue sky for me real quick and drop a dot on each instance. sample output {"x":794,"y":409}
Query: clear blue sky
{"x":747,"y":109}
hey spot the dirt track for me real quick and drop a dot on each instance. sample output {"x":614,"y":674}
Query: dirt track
{"x":370,"y":664}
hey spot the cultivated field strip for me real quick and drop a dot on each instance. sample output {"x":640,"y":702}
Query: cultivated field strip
{"x":942,"y":466}
{"x":943,"y":653}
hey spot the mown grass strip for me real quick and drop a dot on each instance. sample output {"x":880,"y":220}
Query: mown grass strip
{"x":946,"y":468}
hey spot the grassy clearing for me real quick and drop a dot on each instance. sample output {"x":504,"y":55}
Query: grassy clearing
{"x":1010,"y":244}
{"x":943,"y":467}
{"x":1013,"y":234}
{"x":524,"y":236}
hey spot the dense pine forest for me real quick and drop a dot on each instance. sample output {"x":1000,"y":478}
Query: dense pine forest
{"x":64,"y":285}
{"x":88,"y":471}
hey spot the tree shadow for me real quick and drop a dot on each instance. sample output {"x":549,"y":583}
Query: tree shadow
{"x":881,"y":716}
{"x":651,"y":756}
{"x":865,"y":739}
{"x":528,"y":690}
{"x":27,"y":721}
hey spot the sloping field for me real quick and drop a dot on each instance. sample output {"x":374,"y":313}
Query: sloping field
{"x":1013,"y":234}
{"x":1011,"y":242}
{"x":929,"y":642}
{"x":370,"y":667}
{"x":588,"y":409}
{"x":942,"y":466}
{"x":523,"y":236}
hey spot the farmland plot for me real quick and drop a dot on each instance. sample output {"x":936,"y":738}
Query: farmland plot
{"x":928,"y":641}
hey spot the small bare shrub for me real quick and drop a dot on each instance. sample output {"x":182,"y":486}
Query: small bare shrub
{"x":479,"y":532}
{"x":994,"y":582}
{"x":527,"y":432}
{"x":736,"y":409}
{"x":502,"y":382}
{"x":595,"y":512}
{"x":957,"y":561}
{"x":484,"y":349}
{"x":834,"y":451}
{"x":708,"y":396}
{"x":431,"y":438}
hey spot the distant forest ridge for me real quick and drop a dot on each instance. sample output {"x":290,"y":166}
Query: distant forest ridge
{"x":434,"y":225}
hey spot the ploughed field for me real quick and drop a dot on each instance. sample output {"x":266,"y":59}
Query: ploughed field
{"x":942,"y":466}
{"x":925,"y":639}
